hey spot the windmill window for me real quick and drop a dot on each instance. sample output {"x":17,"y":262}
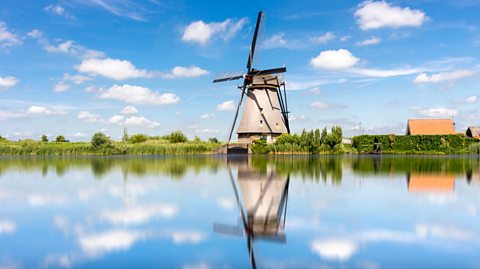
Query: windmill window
{"x":278,"y":125}
{"x":261,"y":122}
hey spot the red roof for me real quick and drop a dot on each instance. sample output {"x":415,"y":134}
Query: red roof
{"x":430,"y":127}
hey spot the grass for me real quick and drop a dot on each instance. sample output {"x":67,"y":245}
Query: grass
{"x":158,"y":147}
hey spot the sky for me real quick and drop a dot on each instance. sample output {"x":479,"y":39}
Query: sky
{"x":81,"y":66}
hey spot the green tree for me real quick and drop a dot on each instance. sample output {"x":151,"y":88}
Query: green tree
{"x":125,"y":135}
{"x":177,"y":137}
{"x":138,"y":138}
{"x":317,"y":137}
{"x":213,"y":140}
{"x":44,"y":139}
{"x":323,"y":136}
{"x":99,"y":139}
{"x":60,"y":138}
{"x":197,"y":139}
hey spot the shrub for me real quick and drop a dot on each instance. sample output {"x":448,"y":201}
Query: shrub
{"x":44,"y":139}
{"x":138,"y":138}
{"x":99,"y":139}
{"x":176,"y":137}
{"x":444,"y":144}
{"x":260,"y":147}
{"x":213,"y":140}
{"x":60,"y":138}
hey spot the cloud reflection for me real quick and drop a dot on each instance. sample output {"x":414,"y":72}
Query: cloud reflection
{"x":139,"y":214}
{"x":114,"y":240}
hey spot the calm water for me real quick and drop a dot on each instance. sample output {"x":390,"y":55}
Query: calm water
{"x":214,"y":212}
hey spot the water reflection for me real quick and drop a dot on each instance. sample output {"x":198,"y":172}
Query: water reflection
{"x":261,"y":195}
{"x":151,"y":212}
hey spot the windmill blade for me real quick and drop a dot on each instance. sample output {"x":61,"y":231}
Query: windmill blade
{"x":228,"y":76}
{"x":268,"y":71}
{"x":238,"y":108}
{"x":227,"y":79}
{"x":254,"y":42}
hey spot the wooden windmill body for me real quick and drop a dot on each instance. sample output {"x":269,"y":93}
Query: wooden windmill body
{"x":265,"y":115}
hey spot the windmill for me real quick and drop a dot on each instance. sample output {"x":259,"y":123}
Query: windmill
{"x":265,"y":115}
{"x":264,"y":207}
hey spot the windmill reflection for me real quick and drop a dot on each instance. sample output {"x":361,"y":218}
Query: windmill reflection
{"x":261,"y":197}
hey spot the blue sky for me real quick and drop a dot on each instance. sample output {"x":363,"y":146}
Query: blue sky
{"x":77,"y":67}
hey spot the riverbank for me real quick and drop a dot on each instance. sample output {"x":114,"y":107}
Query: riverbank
{"x":113,"y":148}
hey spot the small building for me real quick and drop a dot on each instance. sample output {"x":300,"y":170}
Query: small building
{"x":473,"y":132}
{"x":430,"y":127}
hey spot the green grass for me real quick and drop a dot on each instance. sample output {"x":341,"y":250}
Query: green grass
{"x":115,"y":148}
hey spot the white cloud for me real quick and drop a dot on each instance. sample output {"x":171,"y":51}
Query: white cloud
{"x":325,"y":38}
{"x":58,"y":10}
{"x":114,"y":240}
{"x":7,"y":82}
{"x":185,"y":72}
{"x":76,"y":79}
{"x":334,"y":60}
{"x":7,"y":38}
{"x":207,"y":116}
{"x":125,"y":8}
{"x":471,"y":99}
{"x":300,"y":118}
{"x":384,"y":73}
{"x":79,"y":134}
{"x":201,"y":32}
{"x":227,"y":105}
{"x":139,"y":214}
{"x":380,"y":14}
{"x":138,"y":95}
{"x":116,"y":119}
{"x":444,"y":76}
{"x":61,"y":87}
{"x":7,"y":226}
{"x":42,"y":110}
{"x":334,"y":249}
{"x":112,"y":68}
{"x":323,"y":105}
{"x":141,"y":121}
{"x":188,"y":237}
{"x":129,"y":110}
{"x":66,"y":47}
{"x":89,"y":117}
{"x":369,"y":41}
{"x":275,"y":41}
{"x":436,"y":112}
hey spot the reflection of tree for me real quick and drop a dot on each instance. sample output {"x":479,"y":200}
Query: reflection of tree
{"x":175,"y":167}
{"x":402,"y":165}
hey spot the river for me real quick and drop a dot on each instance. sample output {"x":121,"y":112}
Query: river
{"x":237,"y":212}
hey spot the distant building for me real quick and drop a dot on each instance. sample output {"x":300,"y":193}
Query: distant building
{"x":430,"y":127}
{"x":473,"y":132}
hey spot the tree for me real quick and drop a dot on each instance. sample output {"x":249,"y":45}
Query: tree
{"x":99,"y":139}
{"x":125,"y":135}
{"x":138,"y":138}
{"x":177,"y":137}
{"x":60,"y":138}
{"x":213,"y":140}
{"x":323,"y":136}
{"x":197,"y":139}
{"x":44,"y":139}
{"x":317,"y":137}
